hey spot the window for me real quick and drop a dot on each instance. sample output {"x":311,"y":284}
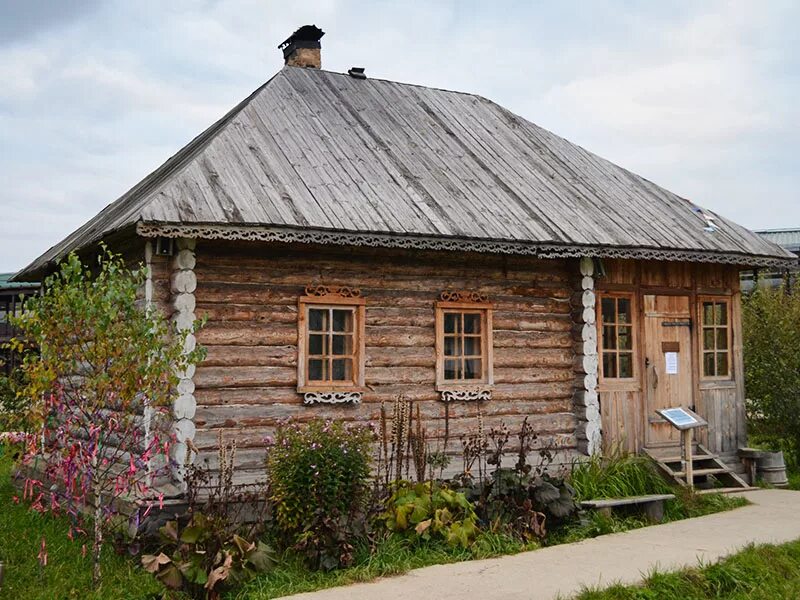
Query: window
{"x":330,"y":343}
{"x":716,"y":338}
{"x":463,"y":344}
{"x":616,"y":319}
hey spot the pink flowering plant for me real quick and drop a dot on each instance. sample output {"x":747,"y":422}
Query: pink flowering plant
{"x":319,"y":486}
{"x":99,"y":387}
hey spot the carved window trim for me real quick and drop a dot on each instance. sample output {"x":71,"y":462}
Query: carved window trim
{"x":443,"y":307}
{"x":701,"y":329}
{"x":351,"y":300}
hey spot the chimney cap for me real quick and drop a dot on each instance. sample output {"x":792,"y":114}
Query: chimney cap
{"x":357,"y":73}
{"x":307,"y":36}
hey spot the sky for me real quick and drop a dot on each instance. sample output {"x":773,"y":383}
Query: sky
{"x":699,"y":97}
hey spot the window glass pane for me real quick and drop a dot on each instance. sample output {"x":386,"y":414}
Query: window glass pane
{"x":609,"y":310}
{"x":472,"y":346}
{"x":316,"y":369}
{"x":472,"y":323}
{"x":722,"y":338}
{"x":609,"y":337}
{"x":624,"y":338}
{"x":342,"y":344}
{"x":342,"y":369}
{"x":317,"y":319}
{"x":316,"y":344}
{"x":708,"y":364}
{"x":722,"y":313}
{"x":708,"y":313}
{"x":626,"y":364}
{"x":623,"y":310}
{"x":342,"y":320}
{"x":472,"y":368}
{"x":722,"y":364}
{"x":452,"y":346}
{"x":609,"y":365}
{"x":452,"y":323}
{"x":708,"y":339}
{"x":452,"y":369}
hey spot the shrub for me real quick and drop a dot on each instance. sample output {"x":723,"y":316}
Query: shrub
{"x":14,"y":409}
{"x":428,"y":510}
{"x":99,"y":390}
{"x":525,"y":503}
{"x":771,"y":327}
{"x":211,"y":549}
{"x":198,"y":560}
{"x":319,"y":484}
{"x":618,"y":475}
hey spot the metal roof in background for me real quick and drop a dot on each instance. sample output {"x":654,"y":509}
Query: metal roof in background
{"x":6,"y":285}
{"x":788,"y":238}
{"x":323,"y":151}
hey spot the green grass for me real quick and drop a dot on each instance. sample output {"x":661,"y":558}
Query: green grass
{"x":393,"y":556}
{"x":616,"y":476}
{"x":68,"y":574}
{"x":757,"y":573}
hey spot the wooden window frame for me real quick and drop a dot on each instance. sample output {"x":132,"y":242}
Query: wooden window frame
{"x":487,"y":345}
{"x":634,"y":325}
{"x":356,"y":384}
{"x":727,"y":300}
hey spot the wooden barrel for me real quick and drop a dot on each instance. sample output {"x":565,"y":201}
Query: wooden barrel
{"x":772,"y":469}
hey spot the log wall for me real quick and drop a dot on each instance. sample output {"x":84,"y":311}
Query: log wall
{"x":249,"y":292}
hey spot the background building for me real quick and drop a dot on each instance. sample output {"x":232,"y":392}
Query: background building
{"x":789,"y":239}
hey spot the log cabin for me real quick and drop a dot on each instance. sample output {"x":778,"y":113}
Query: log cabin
{"x":351,"y":240}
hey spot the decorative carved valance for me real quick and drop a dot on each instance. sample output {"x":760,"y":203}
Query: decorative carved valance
{"x":333,"y":290}
{"x":463,"y":296}
{"x":466,"y":395}
{"x":332,"y":398}
{"x":377,"y":240}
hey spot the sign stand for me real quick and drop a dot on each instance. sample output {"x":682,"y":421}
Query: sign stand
{"x":685,"y":421}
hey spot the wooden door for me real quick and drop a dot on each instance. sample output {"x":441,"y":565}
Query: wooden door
{"x":668,"y":364}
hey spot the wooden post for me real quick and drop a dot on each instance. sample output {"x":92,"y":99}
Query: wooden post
{"x":686,"y":438}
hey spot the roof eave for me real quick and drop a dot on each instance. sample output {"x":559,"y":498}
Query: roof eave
{"x":542,"y":249}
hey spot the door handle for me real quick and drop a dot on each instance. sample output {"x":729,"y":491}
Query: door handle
{"x":654,"y":376}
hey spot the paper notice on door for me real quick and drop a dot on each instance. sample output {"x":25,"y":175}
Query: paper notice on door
{"x":672,"y":362}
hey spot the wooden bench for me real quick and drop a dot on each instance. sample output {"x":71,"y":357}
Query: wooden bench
{"x":651,"y":506}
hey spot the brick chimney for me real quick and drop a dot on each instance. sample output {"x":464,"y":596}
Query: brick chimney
{"x":302,"y":48}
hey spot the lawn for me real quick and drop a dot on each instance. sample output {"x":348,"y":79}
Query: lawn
{"x":757,"y":573}
{"x":68,"y":573}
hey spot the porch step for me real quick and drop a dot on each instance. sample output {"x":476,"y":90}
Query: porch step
{"x":701,"y":472}
{"x":712,"y":470}
{"x":727,"y":490}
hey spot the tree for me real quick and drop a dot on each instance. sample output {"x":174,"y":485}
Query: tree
{"x":771,"y":320}
{"x":100,"y":387}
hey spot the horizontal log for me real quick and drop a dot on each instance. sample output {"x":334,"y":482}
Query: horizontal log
{"x":531,"y":339}
{"x":254,"y":437}
{"x":214,"y":377}
{"x":283,"y":295}
{"x":251,"y":356}
{"x":250,"y":334}
{"x":247,"y":415}
{"x":286,"y":314}
{"x":350,"y":266}
{"x":262,"y":395}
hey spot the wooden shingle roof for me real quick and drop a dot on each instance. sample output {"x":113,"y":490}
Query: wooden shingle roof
{"x":319,"y":156}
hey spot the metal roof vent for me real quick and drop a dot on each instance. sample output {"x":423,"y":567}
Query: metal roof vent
{"x":357,"y":73}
